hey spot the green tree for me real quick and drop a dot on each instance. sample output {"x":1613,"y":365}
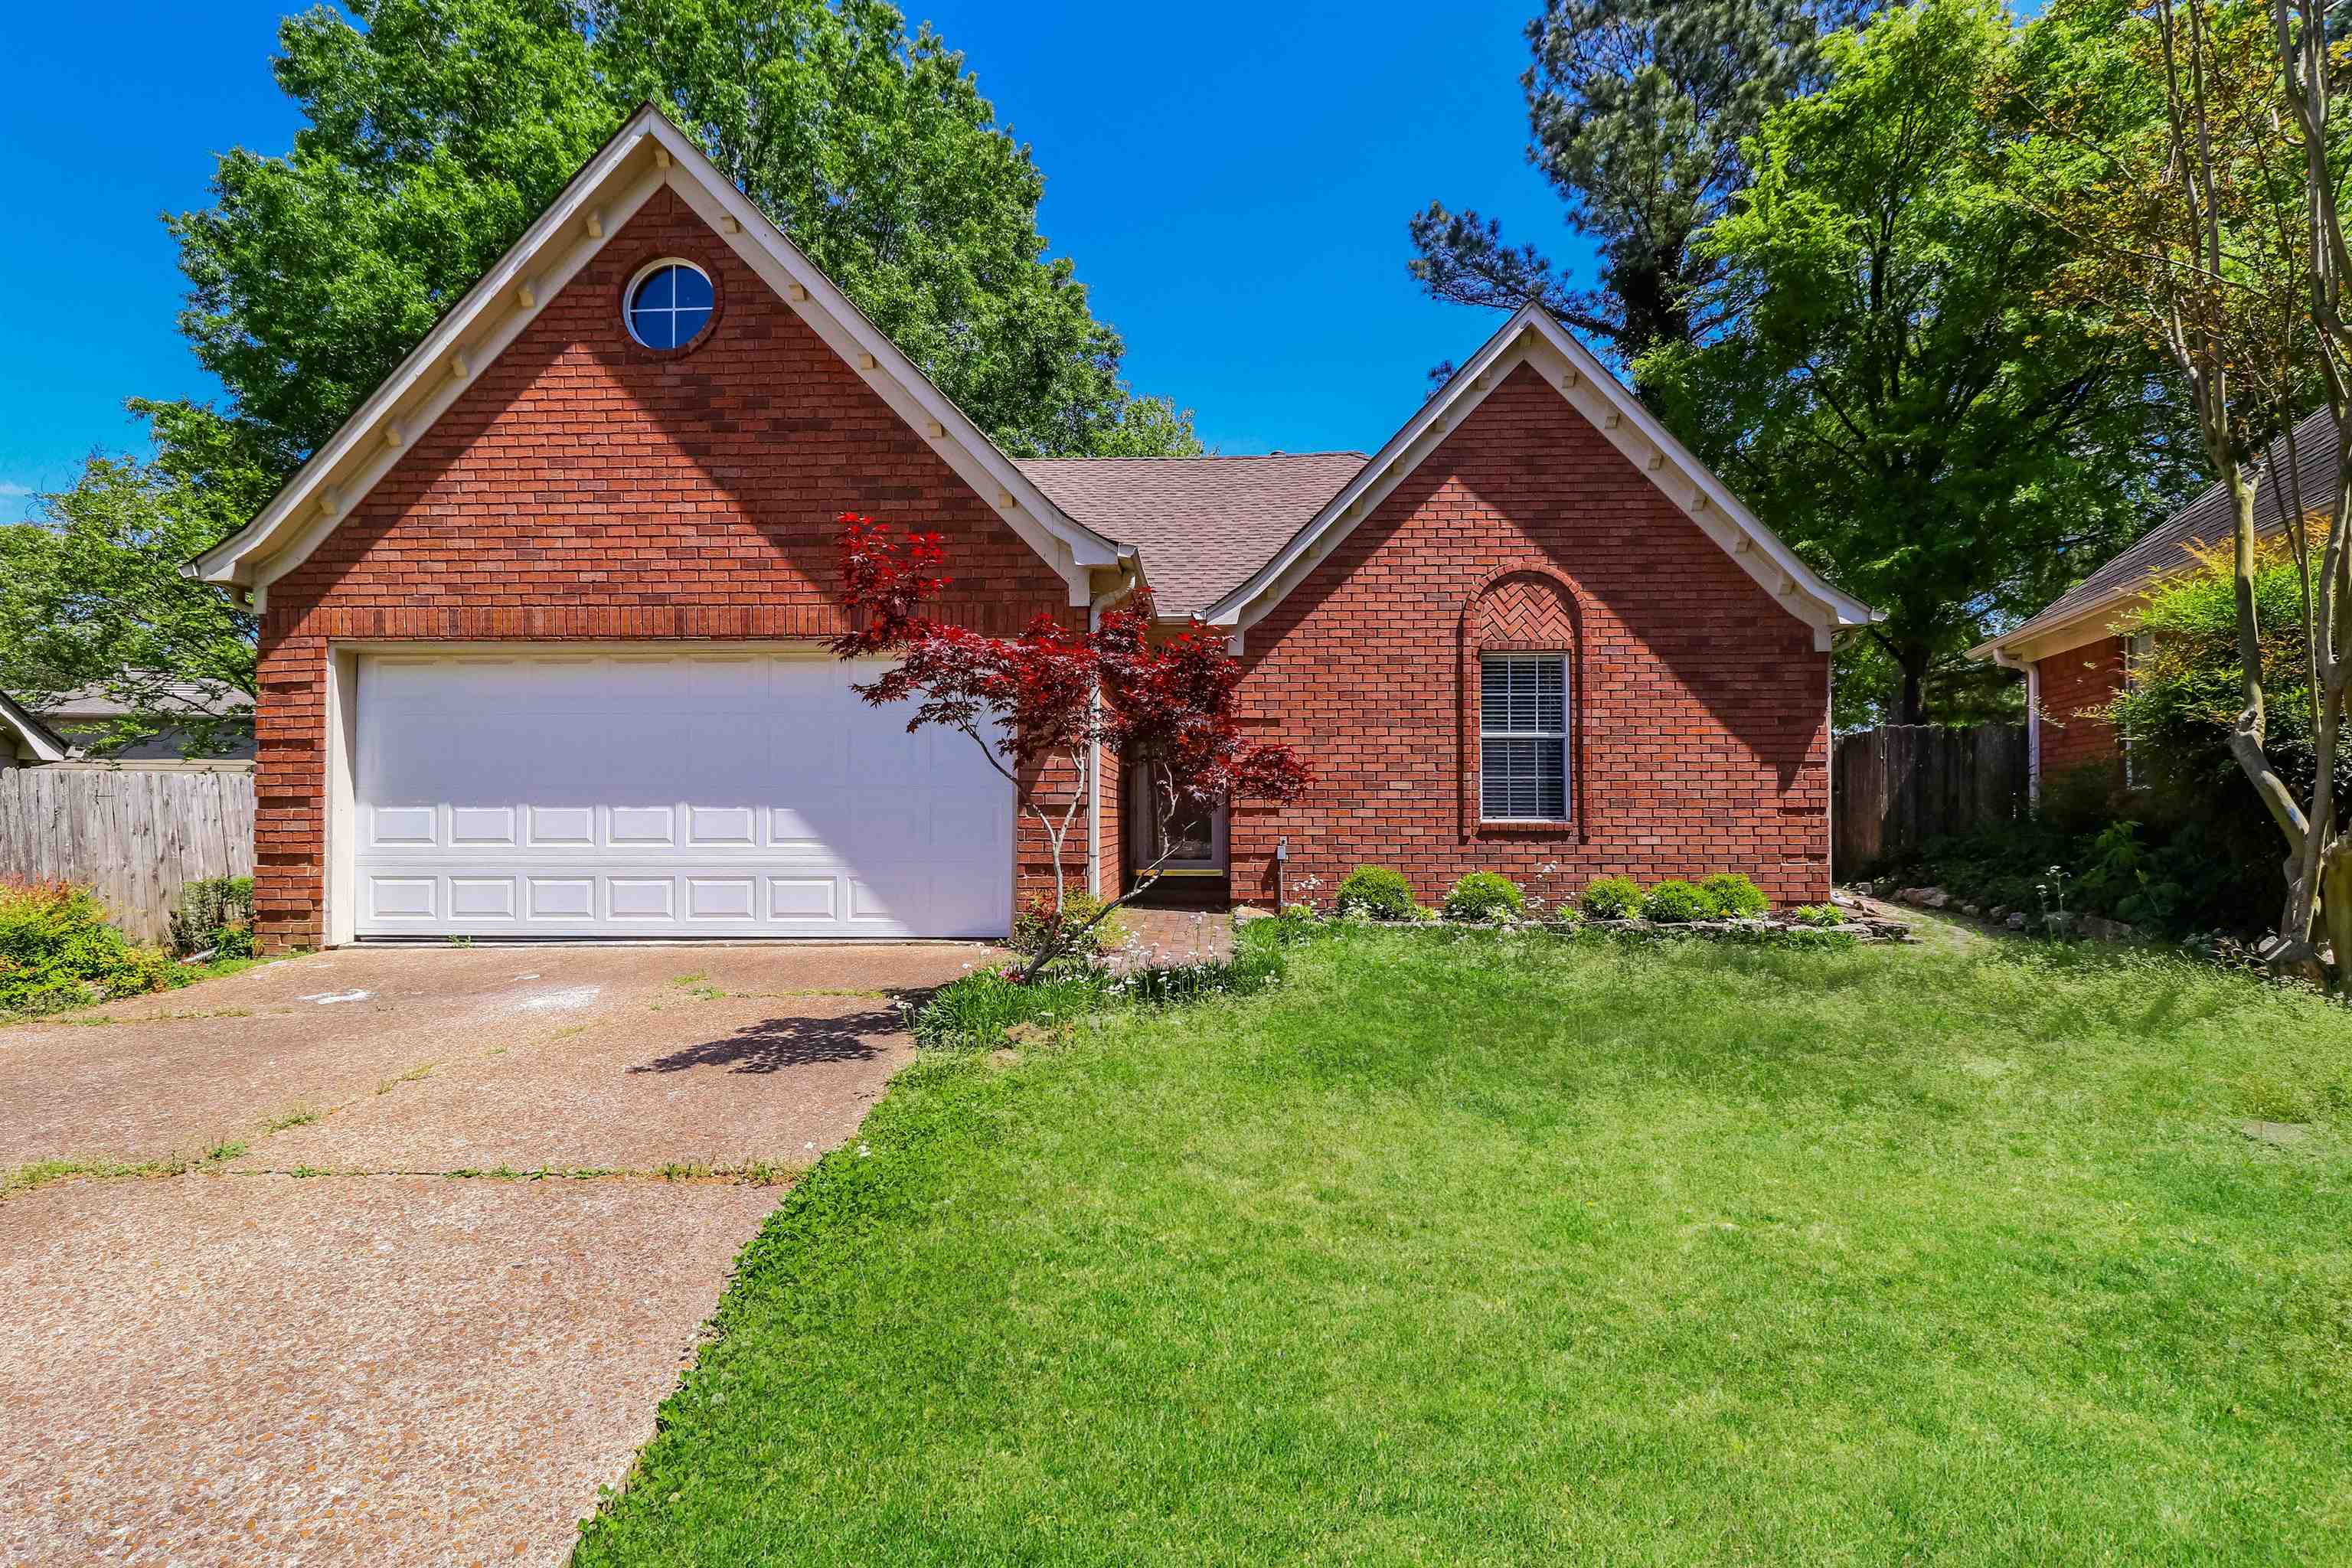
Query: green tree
{"x":437,"y":129}
{"x":1638,"y":110}
{"x":2186,"y":689}
{"x":1898,"y":391}
{"x":92,"y":596}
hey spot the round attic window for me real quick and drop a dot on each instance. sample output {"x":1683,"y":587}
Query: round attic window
{"x":668,"y":304}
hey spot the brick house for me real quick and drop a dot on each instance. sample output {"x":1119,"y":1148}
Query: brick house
{"x":539,"y":649}
{"x":2076,"y":654}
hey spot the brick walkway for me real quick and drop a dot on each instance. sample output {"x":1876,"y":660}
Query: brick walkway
{"x":1175,"y":934}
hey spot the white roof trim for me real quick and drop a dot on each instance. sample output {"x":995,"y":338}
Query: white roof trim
{"x":2095,"y":622}
{"x":1531,"y":336}
{"x":47,"y":746}
{"x":646,"y":153}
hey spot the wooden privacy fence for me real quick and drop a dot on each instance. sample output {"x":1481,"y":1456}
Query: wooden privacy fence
{"x":133,"y":833}
{"x":1895,"y":787}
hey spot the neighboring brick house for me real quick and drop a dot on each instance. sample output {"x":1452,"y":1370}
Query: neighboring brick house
{"x":539,"y":626}
{"x":2076,"y":654}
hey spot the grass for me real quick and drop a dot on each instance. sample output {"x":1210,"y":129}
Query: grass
{"x":1507,"y":1250}
{"x":41,"y":1173}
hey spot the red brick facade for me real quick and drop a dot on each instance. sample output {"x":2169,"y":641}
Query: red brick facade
{"x":2087,"y":677}
{"x":1699,"y":707}
{"x":586,"y":488}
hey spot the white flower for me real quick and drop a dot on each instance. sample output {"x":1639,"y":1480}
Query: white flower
{"x":864,"y":1153}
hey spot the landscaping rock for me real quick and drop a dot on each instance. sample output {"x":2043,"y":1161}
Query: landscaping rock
{"x":2016,"y":922}
{"x":2101,"y":930}
{"x":2058,"y":923}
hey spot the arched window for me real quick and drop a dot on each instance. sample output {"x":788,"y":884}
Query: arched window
{"x":1520,"y":755}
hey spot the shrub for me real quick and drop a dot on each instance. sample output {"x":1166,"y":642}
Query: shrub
{"x":1035,"y":925}
{"x":214,"y":915}
{"x":1612,"y":899}
{"x":1734,"y":895}
{"x":1481,"y":896}
{"x":1818,"y":915}
{"x":57,"y":950}
{"x":1674,"y":901}
{"x":1378,"y":891}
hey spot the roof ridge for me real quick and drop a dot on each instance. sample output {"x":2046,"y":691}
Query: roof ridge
{"x":1193,"y":456}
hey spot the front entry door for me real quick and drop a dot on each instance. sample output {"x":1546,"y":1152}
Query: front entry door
{"x":1194,"y":838}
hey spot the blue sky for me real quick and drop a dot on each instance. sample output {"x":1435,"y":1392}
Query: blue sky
{"x":1232,"y":179}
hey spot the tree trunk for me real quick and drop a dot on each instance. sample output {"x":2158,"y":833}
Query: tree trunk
{"x":1912,"y":705}
{"x":2336,"y":904}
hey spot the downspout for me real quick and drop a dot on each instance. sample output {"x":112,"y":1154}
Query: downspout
{"x":2032,"y":668}
{"x":1128,"y":578}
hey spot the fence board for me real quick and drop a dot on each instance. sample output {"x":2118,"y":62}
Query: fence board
{"x":135,"y":835}
{"x":1897,"y":786}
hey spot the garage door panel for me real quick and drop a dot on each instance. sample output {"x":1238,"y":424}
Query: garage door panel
{"x":571,"y":900}
{"x":482,"y":898}
{"x":405,"y":900}
{"x":670,"y":793}
{"x":404,"y":826}
{"x":482,"y":827}
{"x":805,"y":899}
{"x":642,"y":897}
{"x":560,"y":827}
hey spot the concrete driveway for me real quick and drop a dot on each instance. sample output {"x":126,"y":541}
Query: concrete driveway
{"x":418,"y":1239}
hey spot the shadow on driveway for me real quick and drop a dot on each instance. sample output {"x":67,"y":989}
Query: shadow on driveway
{"x":775,"y":1044}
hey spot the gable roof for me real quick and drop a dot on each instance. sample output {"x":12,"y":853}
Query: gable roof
{"x":1226,"y":538}
{"x":45,"y":744}
{"x":2163,"y":552}
{"x":646,"y":153}
{"x":1533,"y":337}
{"x":1202,"y":524}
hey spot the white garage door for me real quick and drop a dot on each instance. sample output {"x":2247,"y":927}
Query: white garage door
{"x":665,"y":795}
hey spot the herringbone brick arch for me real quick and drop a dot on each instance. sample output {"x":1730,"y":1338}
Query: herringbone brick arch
{"x":1524,"y":613}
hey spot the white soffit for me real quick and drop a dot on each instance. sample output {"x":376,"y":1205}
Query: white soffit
{"x":2095,"y":623}
{"x":47,"y":745}
{"x":646,"y":153}
{"x":1532,"y":337}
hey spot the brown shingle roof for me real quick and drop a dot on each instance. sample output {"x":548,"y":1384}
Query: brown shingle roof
{"x":2163,"y":551}
{"x":1204,"y":524}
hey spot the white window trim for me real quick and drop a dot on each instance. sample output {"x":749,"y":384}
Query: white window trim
{"x":1567,"y":738}
{"x":636,"y":281}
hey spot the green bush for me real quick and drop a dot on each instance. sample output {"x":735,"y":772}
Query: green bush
{"x":215,"y":915}
{"x":1035,"y":924}
{"x":1482,"y":896}
{"x":1378,"y":891}
{"x":2181,"y":878}
{"x":1674,"y":901}
{"x":1822,"y":915}
{"x":57,"y":950}
{"x":1734,"y":895}
{"x":1612,"y":899}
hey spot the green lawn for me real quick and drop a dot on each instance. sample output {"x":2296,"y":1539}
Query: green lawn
{"x":1504,"y":1249}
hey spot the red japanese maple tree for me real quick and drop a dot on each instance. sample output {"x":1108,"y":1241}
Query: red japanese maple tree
{"x":1037,"y":704}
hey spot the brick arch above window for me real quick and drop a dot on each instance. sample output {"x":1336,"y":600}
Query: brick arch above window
{"x":1523,"y":606}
